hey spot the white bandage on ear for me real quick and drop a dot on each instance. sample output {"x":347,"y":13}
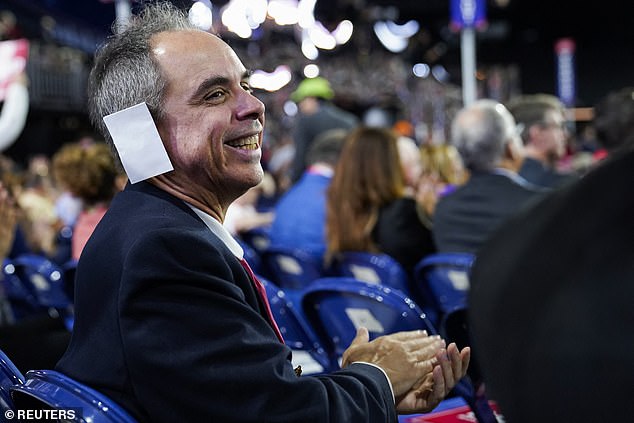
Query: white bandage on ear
{"x":138,"y":143}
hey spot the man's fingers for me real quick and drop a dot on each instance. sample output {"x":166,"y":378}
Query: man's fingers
{"x":362,"y":337}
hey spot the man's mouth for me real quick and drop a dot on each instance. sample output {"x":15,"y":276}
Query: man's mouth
{"x":246,"y":143}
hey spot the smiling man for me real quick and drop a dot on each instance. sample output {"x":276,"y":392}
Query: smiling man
{"x":170,"y":322}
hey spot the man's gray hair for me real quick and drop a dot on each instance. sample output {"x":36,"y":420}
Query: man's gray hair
{"x":125,"y":72}
{"x":480,"y":133}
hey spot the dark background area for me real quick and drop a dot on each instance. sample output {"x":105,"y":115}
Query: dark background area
{"x":521,"y":33}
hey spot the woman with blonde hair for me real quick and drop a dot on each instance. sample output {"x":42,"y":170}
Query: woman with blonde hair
{"x":89,"y":172}
{"x":367,"y":207}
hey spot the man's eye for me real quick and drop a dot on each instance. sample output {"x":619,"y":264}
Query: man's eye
{"x":214,"y":95}
{"x":247,"y":88}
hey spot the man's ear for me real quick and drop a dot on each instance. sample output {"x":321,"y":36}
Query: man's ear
{"x":514,"y":151}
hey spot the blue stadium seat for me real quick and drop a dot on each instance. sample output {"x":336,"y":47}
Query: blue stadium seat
{"x":291,"y":268}
{"x":337,"y":306}
{"x":48,"y":389}
{"x":9,"y":376}
{"x":443,"y":280}
{"x":35,"y":285}
{"x":297,"y":332}
{"x":373,"y":268}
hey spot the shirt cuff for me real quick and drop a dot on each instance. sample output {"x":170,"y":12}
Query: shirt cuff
{"x":389,"y":382}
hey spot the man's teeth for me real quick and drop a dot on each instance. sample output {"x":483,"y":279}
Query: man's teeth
{"x":248,"y":143}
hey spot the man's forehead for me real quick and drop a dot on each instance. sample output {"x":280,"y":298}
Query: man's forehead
{"x":180,"y":39}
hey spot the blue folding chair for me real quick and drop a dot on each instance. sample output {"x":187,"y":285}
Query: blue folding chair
{"x":443,"y":280}
{"x":44,"y":282}
{"x":337,"y":306}
{"x":291,"y":268}
{"x":21,"y":300}
{"x":9,"y":376}
{"x":297,"y":332}
{"x":48,"y":389}
{"x":373,"y":268}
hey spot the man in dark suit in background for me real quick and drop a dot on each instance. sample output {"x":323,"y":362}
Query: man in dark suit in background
{"x":542,"y":120}
{"x":170,"y":322}
{"x":485,"y":135}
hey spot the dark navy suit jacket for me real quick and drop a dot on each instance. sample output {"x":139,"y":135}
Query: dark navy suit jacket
{"x":465,"y":219}
{"x":168,"y":325}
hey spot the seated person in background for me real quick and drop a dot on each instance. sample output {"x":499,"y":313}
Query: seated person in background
{"x":170,"y":321}
{"x":485,"y":135}
{"x":300,"y":214}
{"x":88,"y":172}
{"x":9,"y":218}
{"x":443,"y":172}
{"x":549,"y":288}
{"x":542,"y":119}
{"x":409,"y":155}
{"x":614,"y":119}
{"x":367,"y":208}
{"x":317,"y":113}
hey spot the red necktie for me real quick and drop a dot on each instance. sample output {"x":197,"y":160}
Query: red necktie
{"x":262,"y":292}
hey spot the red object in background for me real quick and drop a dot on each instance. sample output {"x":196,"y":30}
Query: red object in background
{"x":462,"y":414}
{"x":13,"y":56}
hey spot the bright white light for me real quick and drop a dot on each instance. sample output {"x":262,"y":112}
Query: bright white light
{"x":308,"y":47}
{"x":408,"y":29}
{"x":321,"y":37}
{"x":234,"y":17}
{"x":271,"y":81}
{"x":440,"y":73}
{"x":390,"y":41}
{"x":311,"y":70}
{"x":284,"y":12}
{"x":256,"y":12}
{"x":421,"y":70}
{"x":290,"y":108}
{"x":200,"y":15}
{"x":343,"y":32}
{"x":306,"y":13}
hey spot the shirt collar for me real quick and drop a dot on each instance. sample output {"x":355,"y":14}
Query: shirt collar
{"x":217,"y":229}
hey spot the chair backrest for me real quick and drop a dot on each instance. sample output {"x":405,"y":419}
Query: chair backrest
{"x":296,"y":331}
{"x":374,"y":268}
{"x":21,"y":300}
{"x":291,"y":268}
{"x":48,"y":389}
{"x":443,"y":280}
{"x":43,"y":278}
{"x":9,"y":377}
{"x":337,"y":306}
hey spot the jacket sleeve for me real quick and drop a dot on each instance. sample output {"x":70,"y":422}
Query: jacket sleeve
{"x":198,"y":350}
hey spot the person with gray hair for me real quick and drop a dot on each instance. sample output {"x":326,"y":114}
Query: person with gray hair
{"x":171,"y":322}
{"x":485,"y":135}
{"x":542,"y":120}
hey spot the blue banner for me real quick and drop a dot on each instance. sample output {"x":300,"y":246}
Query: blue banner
{"x":467,"y":13}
